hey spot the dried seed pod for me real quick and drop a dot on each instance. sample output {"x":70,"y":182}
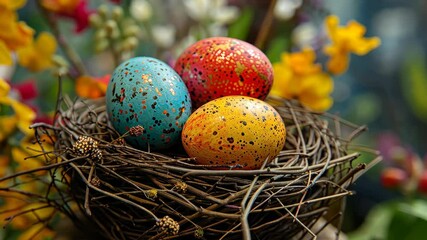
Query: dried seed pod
{"x":168,"y":225}
{"x":119,"y":141}
{"x":151,"y":194}
{"x":199,"y":233}
{"x":96,"y":181}
{"x":136,"y":131}
{"x":86,"y":145}
{"x":181,"y":186}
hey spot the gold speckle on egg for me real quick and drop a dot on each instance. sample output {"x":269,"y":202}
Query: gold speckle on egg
{"x":158,"y":92}
{"x":146,"y":78}
{"x":239,"y":68}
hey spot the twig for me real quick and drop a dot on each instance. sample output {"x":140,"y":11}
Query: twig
{"x":266,"y":25}
{"x":112,"y":195}
{"x":72,"y":56}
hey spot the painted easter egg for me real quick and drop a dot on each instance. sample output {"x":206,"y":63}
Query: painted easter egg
{"x":234,"y":131}
{"x":221,"y":66}
{"x":146,"y":92}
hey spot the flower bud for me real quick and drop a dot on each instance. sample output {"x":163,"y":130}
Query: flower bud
{"x":422,"y":182}
{"x":100,"y":34}
{"x":101,"y":45}
{"x":117,"y":13}
{"x":131,"y":43}
{"x":393,"y":177}
{"x":131,"y":31}
{"x":61,"y":65}
{"x":103,"y":11}
{"x":95,"y":20}
{"x":59,"y":61}
{"x":112,"y":29}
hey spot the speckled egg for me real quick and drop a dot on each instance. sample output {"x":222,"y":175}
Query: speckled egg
{"x":147,"y":92}
{"x":221,"y":66}
{"x":234,"y":131}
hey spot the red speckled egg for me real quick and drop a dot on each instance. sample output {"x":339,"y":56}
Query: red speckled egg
{"x":234,"y":131}
{"x":221,"y":66}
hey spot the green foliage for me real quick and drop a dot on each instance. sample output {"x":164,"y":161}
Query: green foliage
{"x":277,"y":46}
{"x":414,"y":84}
{"x":394,"y":220}
{"x":241,"y":27}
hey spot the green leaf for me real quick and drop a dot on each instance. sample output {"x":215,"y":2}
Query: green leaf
{"x":240,"y":28}
{"x":396,"y":220}
{"x":277,"y":46}
{"x":416,"y":208}
{"x":408,"y":223}
{"x":376,"y":223}
{"x":414,"y":84}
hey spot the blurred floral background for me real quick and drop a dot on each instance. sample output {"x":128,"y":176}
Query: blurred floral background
{"x":362,"y":60}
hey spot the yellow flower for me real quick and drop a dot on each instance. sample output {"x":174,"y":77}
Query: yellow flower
{"x":315,"y":90}
{"x":12,"y":4}
{"x":5,"y":57}
{"x":20,"y":118}
{"x":92,"y":87}
{"x":4,"y":88}
{"x":38,"y":55}
{"x":13,"y":34}
{"x":61,"y":6}
{"x":346,"y":40}
{"x":297,"y":76}
{"x":302,"y":63}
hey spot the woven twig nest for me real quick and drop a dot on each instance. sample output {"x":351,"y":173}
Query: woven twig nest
{"x":132,"y":194}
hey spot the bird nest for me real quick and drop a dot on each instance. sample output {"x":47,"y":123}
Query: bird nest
{"x":128,"y":193}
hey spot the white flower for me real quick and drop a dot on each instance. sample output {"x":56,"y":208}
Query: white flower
{"x":217,"y":30}
{"x":141,"y":10}
{"x":221,"y":13}
{"x":304,"y":35}
{"x":196,"y":9}
{"x":6,"y":71}
{"x":211,"y":10}
{"x":164,"y":35}
{"x":285,"y":9}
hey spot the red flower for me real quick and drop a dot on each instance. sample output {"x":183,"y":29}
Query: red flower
{"x":422,"y":182}
{"x":81,"y":16}
{"x":76,"y":10}
{"x":393,"y":177}
{"x":27,"y":90}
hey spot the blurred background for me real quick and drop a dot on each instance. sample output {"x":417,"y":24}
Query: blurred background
{"x":385,"y":89}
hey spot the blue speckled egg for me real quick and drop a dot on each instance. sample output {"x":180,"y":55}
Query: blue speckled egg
{"x":147,"y":92}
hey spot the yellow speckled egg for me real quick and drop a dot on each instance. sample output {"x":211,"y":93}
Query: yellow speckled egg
{"x":234,"y":131}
